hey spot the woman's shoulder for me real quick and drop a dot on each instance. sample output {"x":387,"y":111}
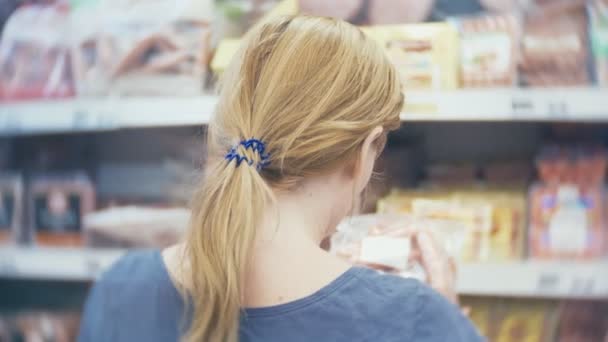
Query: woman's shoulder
{"x":429,"y":315}
{"x":137,"y":285}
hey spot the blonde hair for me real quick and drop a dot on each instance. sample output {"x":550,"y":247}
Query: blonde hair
{"x":311,"y":89}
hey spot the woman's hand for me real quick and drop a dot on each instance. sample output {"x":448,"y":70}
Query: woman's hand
{"x":440,"y":268}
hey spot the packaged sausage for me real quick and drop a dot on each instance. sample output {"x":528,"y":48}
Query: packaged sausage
{"x":489,"y":50}
{"x":58,"y":204}
{"x":157,"y":47}
{"x":425,"y":55}
{"x":11,"y":195}
{"x":555,"y":45}
{"x":567,"y":206}
{"x":598,"y":13}
{"x":34,"y":54}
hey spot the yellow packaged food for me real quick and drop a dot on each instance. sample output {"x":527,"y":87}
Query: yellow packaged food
{"x":426,"y":55}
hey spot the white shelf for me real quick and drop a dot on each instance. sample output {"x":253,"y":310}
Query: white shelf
{"x":78,"y":115}
{"x":525,"y":279}
{"x":56,"y":263}
{"x":554,"y":279}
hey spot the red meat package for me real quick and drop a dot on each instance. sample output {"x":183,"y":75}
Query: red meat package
{"x":141,"y":47}
{"x":34,"y":54}
{"x":555,"y":45}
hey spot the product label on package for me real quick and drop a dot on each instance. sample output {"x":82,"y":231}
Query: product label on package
{"x":386,"y":251}
{"x":486,"y":52}
{"x":57,"y":212}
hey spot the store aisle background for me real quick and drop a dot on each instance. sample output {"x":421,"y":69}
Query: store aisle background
{"x":103,"y":112}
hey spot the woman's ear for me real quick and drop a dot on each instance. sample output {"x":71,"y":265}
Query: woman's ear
{"x":367,"y":158}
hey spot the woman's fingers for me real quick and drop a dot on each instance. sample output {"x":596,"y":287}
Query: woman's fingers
{"x":439,"y":268}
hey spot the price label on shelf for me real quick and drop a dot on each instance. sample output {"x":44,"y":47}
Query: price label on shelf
{"x":548,"y":283}
{"x":522,"y":107}
{"x":558,"y":109}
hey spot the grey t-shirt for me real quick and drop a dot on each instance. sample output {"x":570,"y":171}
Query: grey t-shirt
{"x":136,"y":301}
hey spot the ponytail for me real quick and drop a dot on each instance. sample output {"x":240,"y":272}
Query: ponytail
{"x":225,"y":211}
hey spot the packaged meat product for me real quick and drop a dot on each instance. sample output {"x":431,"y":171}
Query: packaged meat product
{"x":132,"y":227}
{"x":489,"y":50}
{"x":157,"y":47}
{"x":387,"y":12}
{"x":58,"y":204}
{"x":554,"y":45}
{"x":34,"y":54}
{"x":582,"y":321}
{"x":598,"y":13}
{"x":566,"y":221}
{"x":425,"y":55}
{"x":567,"y":206}
{"x":11,"y":194}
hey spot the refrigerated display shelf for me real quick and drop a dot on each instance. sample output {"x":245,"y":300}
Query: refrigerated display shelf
{"x":550,"y":279}
{"x":112,"y":113}
{"x":71,"y":264}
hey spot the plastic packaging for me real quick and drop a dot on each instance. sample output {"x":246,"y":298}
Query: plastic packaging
{"x":157,"y":47}
{"x":34,"y":54}
{"x":131,"y":227}
{"x":555,"y":45}
{"x":58,"y":204}
{"x":489,"y":50}
{"x":567,"y":206}
{"x":425,"y":55}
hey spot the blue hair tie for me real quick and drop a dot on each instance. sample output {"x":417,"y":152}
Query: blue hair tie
{"x":254,"y":144}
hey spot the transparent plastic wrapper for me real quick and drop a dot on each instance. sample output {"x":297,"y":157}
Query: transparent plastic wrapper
{"x":57,"y":205}
{"x":130,"y":227}
{"x":489,"y":50}
{"x":34,"y":54}
{"x":555,"y":45}
{"x":567,"y":207}
{"x":156,"y":47}
{"x":383,"y":242}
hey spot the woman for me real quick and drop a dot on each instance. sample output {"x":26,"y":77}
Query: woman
{"x":303,"y":113}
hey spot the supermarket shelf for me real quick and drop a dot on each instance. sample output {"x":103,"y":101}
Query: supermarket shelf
{"x":550,"y":279}
{"x":81,"y":115}
{"x":525,"y":279}
{"x":55,"y":263}
{"x":555,"y":104}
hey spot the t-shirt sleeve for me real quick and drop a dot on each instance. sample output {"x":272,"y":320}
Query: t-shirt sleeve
{"x":439,"y":320}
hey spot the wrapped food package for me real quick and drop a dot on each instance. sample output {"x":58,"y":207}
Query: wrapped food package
{"x":582,"y":321}
{"x":11,"y":194}
{"x":58,"y":204}
{"x":554,"y":45}
{"x":491,"y":221}
{"x":387,"y":12}
{"x":489,"y":50}
{"x":141,"y":47}
{"x":34,"y":54}
{"x":130,"y":227}
{"x":425,"y":55}
{"x":567,"y":206}
{"x":42,"y":326}
{"x":598,"y":13}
